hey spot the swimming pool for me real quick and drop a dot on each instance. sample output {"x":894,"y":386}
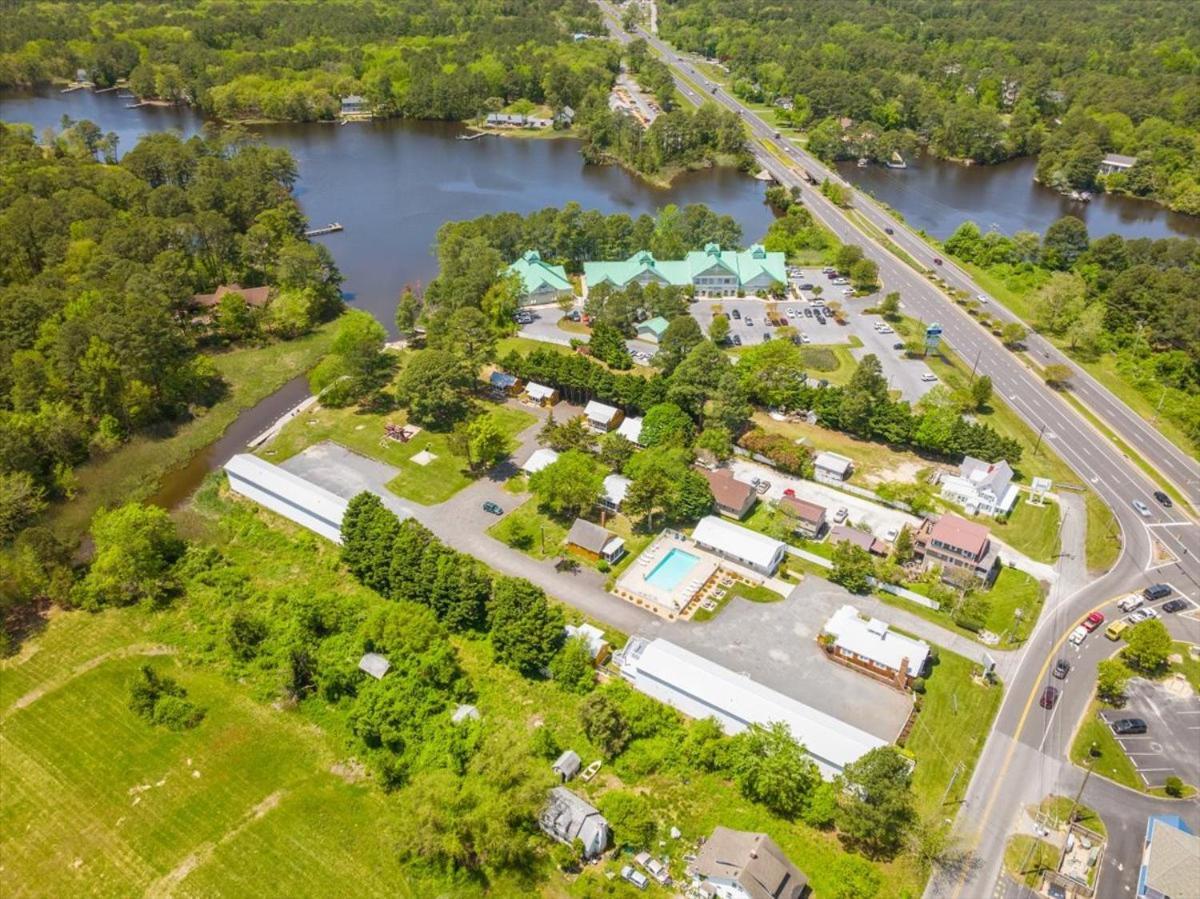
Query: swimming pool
{"x":674,"y":567}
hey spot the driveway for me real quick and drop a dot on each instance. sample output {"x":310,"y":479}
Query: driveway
{"x":1172,"y":734}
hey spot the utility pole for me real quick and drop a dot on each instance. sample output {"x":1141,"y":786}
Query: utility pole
{"x":949,"y":786}
{"x":975,"y":364}
{"x":1041,"y":431}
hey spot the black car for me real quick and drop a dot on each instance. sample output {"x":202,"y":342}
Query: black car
{"x":1128,"y":727}
{"x":1157,"y":591}
{"x":889,"y":231}
{"x":492,"y":508}
{"x":736,"y":314}
{"x":1049,"y":697}
{"x":820,"y":319}
{"x":806,"y":286}
{"x":1062,"y":668}
{"x":808,"y":313}
{"x":1175,"y":605}
{"x":898,"y":345}
{"x":737,"y":340}
{"x":1163,"y":499}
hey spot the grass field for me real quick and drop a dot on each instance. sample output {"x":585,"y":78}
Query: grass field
{"x":136,"y":468}
{"x":531,"y":531}
{"x":1110,"y":759}
{"x":871,"y":460}
{"x":1030,"y":529}
{"x":1188,"y":666}
{"x":363,"y":432}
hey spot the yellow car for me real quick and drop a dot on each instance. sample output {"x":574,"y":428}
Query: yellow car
{"x":1114,"y":630}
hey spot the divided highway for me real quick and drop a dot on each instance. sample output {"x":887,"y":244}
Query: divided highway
{"x":1018,"y":764}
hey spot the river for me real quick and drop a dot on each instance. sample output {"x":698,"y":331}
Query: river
{"x":937,"y":196}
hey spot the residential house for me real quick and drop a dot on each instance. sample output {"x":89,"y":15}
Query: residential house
{"x":872,"y":646}
{"x":567,"y":818}
{"x":743,"y":546}
{"x":842,"y":533}
{"x":959,"y":546}
{"x":539,"y":459}
{"x":1170,"y":866}
{"x":738,"y":864}
{"x":631,"y":430}
{"x":602,"y":418}
{"x":506,"y":120}
{"x":831,"y":468}
{"x":652,"y":329}
{"x":982,"y":488}
{"x":1115,"y":162}
{"x":615,"y":488}
{"x":355,"y":105}
{"x":541,"y":283}
{"x":565,"y":117}
{"x":256,"y":297}
{"x":594,"y":542}
{"x":567,"y":765}
{"x":597,"y":643}
{"x":700,"y":688}
{"x":505,"y":383}
{"x":541,"y":394}
{"x":732,"y":497}
{"x":374,"y":664}
{"x":808,"y":519}
{"x":712,"y":272}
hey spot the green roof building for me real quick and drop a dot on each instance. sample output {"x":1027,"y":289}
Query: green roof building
{"x":652,"y":329}
{"x":540,"y":281}
{"x":712,"y":271}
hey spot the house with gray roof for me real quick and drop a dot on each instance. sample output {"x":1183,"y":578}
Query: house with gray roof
{"x":737,"y":864}
{"x":567,"y":818}
{"x":595,"y":542}
{"x":567,"y":765}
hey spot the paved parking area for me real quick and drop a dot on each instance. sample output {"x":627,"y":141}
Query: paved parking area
{"x":1172,"y":732}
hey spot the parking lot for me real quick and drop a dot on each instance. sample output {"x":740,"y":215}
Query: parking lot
{"x":1172,"y":719}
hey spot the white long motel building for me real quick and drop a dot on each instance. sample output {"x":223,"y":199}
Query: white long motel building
{"x":703,"y":689}
{"x":290,"y":495}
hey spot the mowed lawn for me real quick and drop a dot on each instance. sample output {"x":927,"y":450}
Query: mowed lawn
{"x":1030,"y":529}
{"x":97,"y":801}
{"x":364,"y":433}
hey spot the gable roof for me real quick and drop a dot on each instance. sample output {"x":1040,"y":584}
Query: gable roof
{"x":589,"y":634}
{"x":539,"y":459}
{"x":589,"y":536}
{"x":621,"y":272}
{"x":727,"y":490}
{"x":536,"y":274}
{"x":969,"y":536}
{"x":570,"y":817}
{"x":254,"y":296}
{"x":568,"y":764}
{"x":615,"y":488}
{"x":745,"y":264}
{"x":597,"y":411}
{"x":756,"y":548}
{"x":754,"y":861}
{"x":841,"y":533}
{"x":802,"y":509}
{"x":874,"y":640}
{"x":374,"y":664}
{"x":503,"y":380}
{"x":833,"y":462}
{"x":983,"y":474}
{"x":631,"y":430}
{"x":657,"y":325}
{"x":1171,"y":857}
{"x":539,"y":391}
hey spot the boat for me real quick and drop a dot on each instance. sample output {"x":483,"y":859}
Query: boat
{"x":863,"y":162}
{"x":896,"y":162}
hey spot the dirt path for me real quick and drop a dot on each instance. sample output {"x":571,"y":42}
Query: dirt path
{"x":137,"y":649}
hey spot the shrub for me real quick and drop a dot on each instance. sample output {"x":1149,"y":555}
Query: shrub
{"x":1174,"y":786}
{"x":603,"y":567}
{"x":176,"y":713}
{"x":918,"y":685}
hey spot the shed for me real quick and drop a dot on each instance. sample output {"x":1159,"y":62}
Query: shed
{"x":631,"y":430}
{"x":594,"y":541}
{"x":541,"y":458}
{"x":653,"y":329}
{"x":541,"y":394}
{"x":594,"y":638}
{"x":601,"y":417}
{"x":615,"y":488}
{"x":504,"y":382}
{"x":567,"y":765}
{"x":831,"y":468}
{"x":374,"y":664}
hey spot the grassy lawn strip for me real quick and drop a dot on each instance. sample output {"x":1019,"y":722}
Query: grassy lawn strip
{"x":1109,"y":759}
{"x":531,"y":531}
{"x":134,"y":471}
{"x":1026,"y":857}
{"x":1103,"y":542}
{"x":1013,"y":590}
{"x":1030,"y":529}
{"x":1055,"y":809}
{"x":1189,"y":666}
{"x":951,"y":728}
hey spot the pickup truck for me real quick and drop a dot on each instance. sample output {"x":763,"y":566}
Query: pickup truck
{"x":1130,"y":602}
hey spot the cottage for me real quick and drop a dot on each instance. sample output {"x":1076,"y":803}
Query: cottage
{"x":1113,"y":163}
{"x":506,"y":120}
{"x":982,"y":488}
{"x":567,"y":765}
{"x":615,"y":488}
{"x":539,"y":459}
{"x":652,"y":329}
{"x":631,"y":430}
{"x":374,"y":664}
{"x":736,"y":864}
{"x":738,"y":544}
{"x":807,"y":518}
{"x":831,"y":468}
{"x":541,"y":283}
{"x":597,"y":643}
{"x":602,"y":418}
{"x":564,"y":117}
{"x":505,"y":383}
{"x":567,"y":818}
{"x":959,"y":546}
{"x":872,"y":646}
{"x":841,"y":533}
{"x":355,"y":105}
{"x":594,"y":542}
{"x":257,"y":297}
{"x":733,"y":498}
{"x":541,"y":394}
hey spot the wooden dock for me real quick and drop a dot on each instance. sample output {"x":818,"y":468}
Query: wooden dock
{"x":331,"y":228}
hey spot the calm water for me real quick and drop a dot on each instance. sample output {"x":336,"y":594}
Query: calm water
{"x":392,"y":184}
{"x":938,"y":196}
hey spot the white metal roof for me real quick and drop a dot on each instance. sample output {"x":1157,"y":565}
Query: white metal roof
{"x":590,"y":634}
{"x":539,"y":391}
{"x":595,"y":411}
{"x":539,"y":460}
{"x":288,"y":494}
{"x":615,"y":488}
{"x":833,"y":462}
{"x":756,"y":548}
{"x":631,"y":430}
{"x":701,"y":688}
{"x":872,"y":639}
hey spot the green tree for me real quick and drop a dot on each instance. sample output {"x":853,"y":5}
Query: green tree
{"x":359,"y":341}
{"x":980,"y":393}
{"x":716,"y":440}
{"x":487,"y":442}
{"x":864,"y":275}
{"x":666,"y":425}
{"x":408,"y":310}
{"x":616,"y":450}
{"x":604,"y":723}
{"x":1148,"y":646}
{"x":847,"y":255}
{"x":902,"y":549}
{"x":369,"y":531}
{"x":570,"y":485}
{"x":234,"y":318}
{"x":878,"y":809}
{"x":435,"y":385}
{"x":1065,"y":241}
{"x":572,"y":666}
{"x":772,"y":768}
{"x":718,"y":329}
{"x":21,"y":499}
{"x":1013,"y":334}
{"x":852,"y":567}
{"x":1057,"y":376}
{"x":1111,"y":678}
{"x":682,"y":334}
{"x":136,"y":548}
{"x":890,"y":307}
{"x":526,"y":629}
{"x":631,"y":817}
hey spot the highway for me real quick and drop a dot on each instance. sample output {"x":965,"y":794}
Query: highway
{"x":1019,"y":763}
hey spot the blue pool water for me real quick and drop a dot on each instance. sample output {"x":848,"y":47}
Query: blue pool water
{"x":674,"y":567}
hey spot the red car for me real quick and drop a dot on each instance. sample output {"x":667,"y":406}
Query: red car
{"x":789,"y":492}
{"x":1093,"y":621}
{"x":1049,"y":697}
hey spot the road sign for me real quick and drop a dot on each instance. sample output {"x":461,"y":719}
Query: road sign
{"x":933,"y":336}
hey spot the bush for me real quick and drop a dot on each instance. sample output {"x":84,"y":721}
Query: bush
{"x":176,"y":713}
{"x":544,"y":744}
{"x":918,"y":685}
{"x":603,"y":567}
{"x":1174,"y":786}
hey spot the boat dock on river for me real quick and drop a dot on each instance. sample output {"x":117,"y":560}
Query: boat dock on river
{"x":331,"y":228}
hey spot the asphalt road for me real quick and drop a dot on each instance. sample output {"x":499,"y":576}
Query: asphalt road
{"x":1023,"y":758}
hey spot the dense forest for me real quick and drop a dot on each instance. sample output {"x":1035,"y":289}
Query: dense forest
{"x":431,"y":59}
{"x":985,"y":81}
{"x":1135,"y":300}
{"x":98,"y":267}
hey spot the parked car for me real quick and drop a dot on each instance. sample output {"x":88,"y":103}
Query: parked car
{"x":749,"y":322}
{"x":762,"y":487}
{"x":1130,"y":602}
{"x":929,"y":377}
{"x":886,"y":330}
{"x":1049,"y":697}
{"x":1141,"y":615}
{"x":808,"y":313}
{"x":1175,"y":605}
{"x":791,"y":313}
{"x":766,"y":336}
{"x":1128,"y":727}
{"x":1061,"y":669}
{"x":788,"y":491}
{"x":1156,"y":592}
{"x":1163,"y":499}
{"x":806,"y":286}
{"x":840,"y":515}
{"x":737,"y":341}
{"x":819,"y":317}
{"x":492,"y":508}
{"x":1114,"y":630}
{"x":898,"y":345}
{"x":735,"y":314}
{"x":1141,"y":508}
{"x":637,"y":878}
{"x":891,"y":534}
{"x":1078,"y":636}
{"x":1093,"y":621}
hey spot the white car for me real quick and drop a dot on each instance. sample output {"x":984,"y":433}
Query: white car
{"x":840,"y":515}
{"x":886,"y":330}
{"x":1130,"y":602}
{"x":847,"y":291}
{"x":983,"y":298}
{"x":1140,"y":615}
{"x":1141,"y":508}
{"x":1078,"y":636}
{"x":929,"y":377}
